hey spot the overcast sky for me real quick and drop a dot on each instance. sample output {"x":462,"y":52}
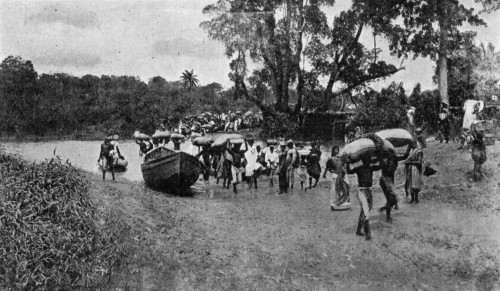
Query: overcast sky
{"x":144,"y":39}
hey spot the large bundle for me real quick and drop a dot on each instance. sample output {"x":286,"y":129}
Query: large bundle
{"x":397,"y":137}
{"x":176,"y":135}
{"x":203,"y":140}
{"x":272,"y":142}
{"x":363,"y":147}
{"x":140,"y":135}
{"x":161,"y":134}
{"x":304,"y":152}
{"x":223,"y":139}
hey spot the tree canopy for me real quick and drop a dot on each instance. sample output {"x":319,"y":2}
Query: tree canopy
{"x":294,"y":46}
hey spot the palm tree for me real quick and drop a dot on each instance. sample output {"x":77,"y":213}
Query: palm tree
{"x":189,"y":79}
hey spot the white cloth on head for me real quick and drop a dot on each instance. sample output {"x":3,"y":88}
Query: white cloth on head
{"x":469,"y":116}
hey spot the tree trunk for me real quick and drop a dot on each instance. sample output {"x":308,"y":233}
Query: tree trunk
{"x":443,"y":53}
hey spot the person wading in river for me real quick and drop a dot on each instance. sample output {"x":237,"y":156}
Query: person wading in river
{"x":106,"y":159}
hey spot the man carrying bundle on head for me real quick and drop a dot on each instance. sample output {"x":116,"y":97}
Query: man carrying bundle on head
{"x":236,"y":165}
{"x":364,"y":172}
{"x":389,"y":164}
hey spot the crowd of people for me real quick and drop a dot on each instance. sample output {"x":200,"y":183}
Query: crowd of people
{"x":244,"y":161}
{"x":213,"y":122}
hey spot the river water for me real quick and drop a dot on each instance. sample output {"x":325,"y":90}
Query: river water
{"x":84,"y":154}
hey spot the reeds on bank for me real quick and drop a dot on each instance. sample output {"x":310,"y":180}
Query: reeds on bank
{"x":51,"y":235}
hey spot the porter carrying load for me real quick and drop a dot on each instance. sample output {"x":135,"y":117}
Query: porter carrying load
{"x":222,"y":140}
{"x":363,"y":147}
{"x":396,"y":136}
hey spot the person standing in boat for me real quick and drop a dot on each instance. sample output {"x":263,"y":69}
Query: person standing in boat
{"x":106,"y":158}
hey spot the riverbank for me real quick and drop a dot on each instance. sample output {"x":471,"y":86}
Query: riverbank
{"x":258,"y":240}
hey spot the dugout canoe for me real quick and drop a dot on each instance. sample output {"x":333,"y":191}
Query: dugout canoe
{"x":166,"y":169}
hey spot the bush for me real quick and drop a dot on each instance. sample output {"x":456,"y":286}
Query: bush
{"x":50,"y":237}
{"x":279,"y":125}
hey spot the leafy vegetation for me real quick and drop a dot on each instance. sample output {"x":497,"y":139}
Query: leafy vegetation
{"x":90,"y":106}
{"x":51,"y":236}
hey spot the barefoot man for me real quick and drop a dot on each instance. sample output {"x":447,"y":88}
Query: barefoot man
{"x":339,"y":191}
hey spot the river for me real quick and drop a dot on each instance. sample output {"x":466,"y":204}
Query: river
{"x":84,"y":154}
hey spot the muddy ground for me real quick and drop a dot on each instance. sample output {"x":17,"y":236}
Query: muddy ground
{"x":259,"y":240}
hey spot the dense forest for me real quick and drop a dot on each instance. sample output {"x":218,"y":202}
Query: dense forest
{"x":92,"y":106}
{"x":59,"y":105}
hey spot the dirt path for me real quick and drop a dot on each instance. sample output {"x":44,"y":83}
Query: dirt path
{"x":262,"y":241}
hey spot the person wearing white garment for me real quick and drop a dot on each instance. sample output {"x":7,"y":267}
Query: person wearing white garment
{"x":339,"y":191}
{"x":252,"y":166}
{"x":471,"y":108}
{"x":272,"y":160}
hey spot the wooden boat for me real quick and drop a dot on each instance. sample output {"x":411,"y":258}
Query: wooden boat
{"x":167,"y":169}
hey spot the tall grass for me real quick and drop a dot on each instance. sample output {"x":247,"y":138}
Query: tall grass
{"x":51,"y":235}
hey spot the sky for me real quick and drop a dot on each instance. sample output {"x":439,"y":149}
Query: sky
{"x":149,"y":38}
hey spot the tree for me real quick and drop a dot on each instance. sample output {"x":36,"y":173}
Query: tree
{"x":487,"y":72}
{"x":293,"y":43}
{"x":418,"y":35}
{"x":18,"y":90}
{"x":189,"y":79}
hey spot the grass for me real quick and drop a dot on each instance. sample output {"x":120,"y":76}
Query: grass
{"x":51,"y":235}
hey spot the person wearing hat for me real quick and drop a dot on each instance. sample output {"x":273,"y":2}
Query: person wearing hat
{"x":284,"y":163}
{"x":106,"y":158}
